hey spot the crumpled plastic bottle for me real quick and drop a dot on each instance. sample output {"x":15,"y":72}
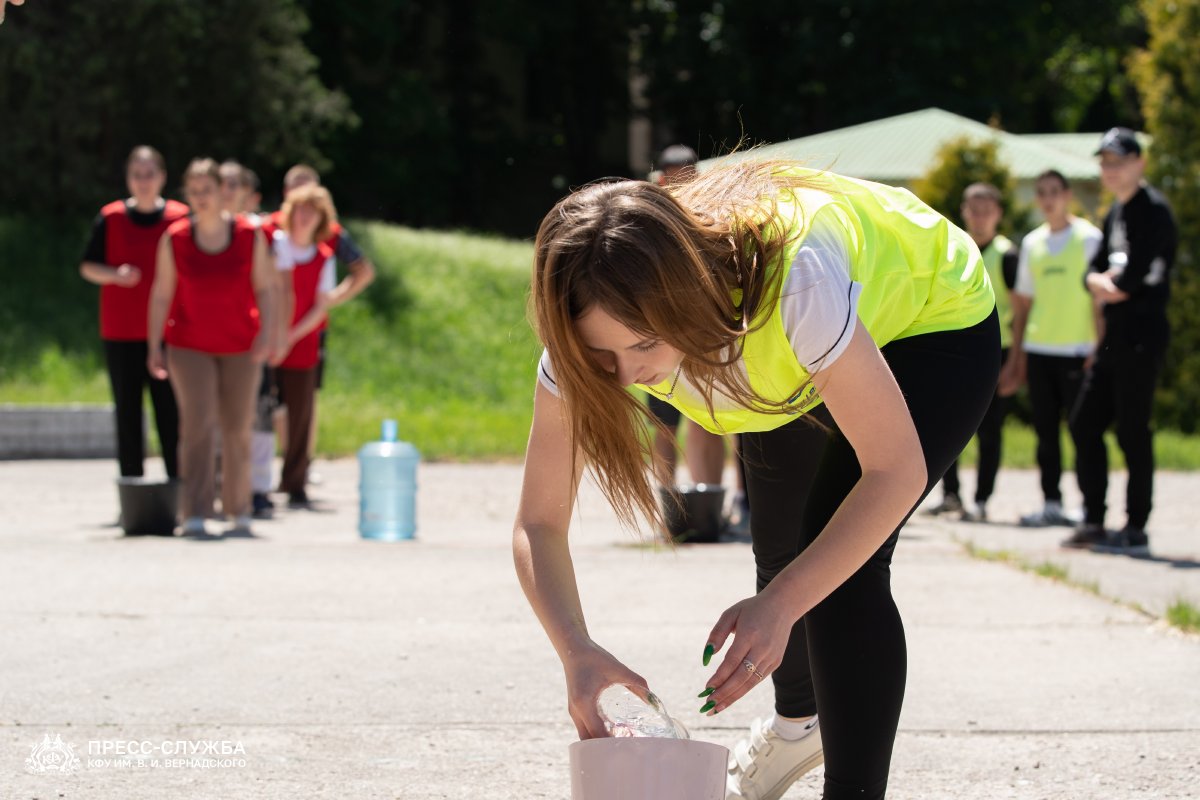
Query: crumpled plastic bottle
{"x":627,"y":715}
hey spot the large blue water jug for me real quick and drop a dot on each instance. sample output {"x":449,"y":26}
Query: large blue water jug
{"x":387,"y":487}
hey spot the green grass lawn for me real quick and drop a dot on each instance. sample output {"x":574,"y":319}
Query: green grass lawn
{"x":440,"y":342}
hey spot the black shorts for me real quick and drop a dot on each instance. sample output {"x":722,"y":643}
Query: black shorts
{"x":664,"y":412}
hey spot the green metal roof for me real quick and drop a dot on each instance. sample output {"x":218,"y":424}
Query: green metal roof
{"x":902,"y":148}
{"x":1079,"y":144}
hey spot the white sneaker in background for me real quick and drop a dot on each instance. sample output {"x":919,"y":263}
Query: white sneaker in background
{"x":977,"y":513}
{"x":1051,"y":514}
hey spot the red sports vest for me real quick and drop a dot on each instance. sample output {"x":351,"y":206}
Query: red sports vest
{"x":123,"y":310}
{"x":274,"y":222}
{"x":305,"y":279}
{"x":214,"y":310}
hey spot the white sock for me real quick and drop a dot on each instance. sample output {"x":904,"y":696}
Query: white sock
{"x":262,"y":453}
{"x":793,"y":730}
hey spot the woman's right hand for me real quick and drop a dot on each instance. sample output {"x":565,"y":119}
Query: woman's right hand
{"x":1012,"y":375}
{"x":261,"y":350}
{"x":127,"y":276}
{"x":154,"y":362}
{"x":589,"y":672}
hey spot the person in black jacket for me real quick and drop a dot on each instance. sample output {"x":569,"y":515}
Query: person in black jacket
{"x":1131,"y":277}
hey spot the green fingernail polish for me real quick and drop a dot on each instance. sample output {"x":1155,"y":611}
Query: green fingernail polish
{"x":706,"y":692}
{"x":707,"y":706}
{"x":708,"y":653}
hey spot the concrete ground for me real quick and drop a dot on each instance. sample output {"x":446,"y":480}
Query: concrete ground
{"x":326,"y":666}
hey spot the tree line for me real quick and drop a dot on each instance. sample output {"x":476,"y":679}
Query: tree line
{"x":475,"y":114}
{"x":478,"y":114}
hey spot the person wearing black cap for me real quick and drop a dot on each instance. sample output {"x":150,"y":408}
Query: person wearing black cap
{"x":1130,"y":276}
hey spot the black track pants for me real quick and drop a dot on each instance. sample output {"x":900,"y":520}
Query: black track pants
{"x":1119,"y":389}
{"x":129,"y":379}
{"x":990,"y":434}
{"x":1054,"y":383}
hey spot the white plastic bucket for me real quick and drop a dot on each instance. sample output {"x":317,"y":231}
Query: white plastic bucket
{"x":647,"y":769}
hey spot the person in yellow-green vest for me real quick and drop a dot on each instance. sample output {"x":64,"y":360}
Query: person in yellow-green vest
{"x":849,"y":333}
{"x":982,"y":209}
{"x":1054,"y":326}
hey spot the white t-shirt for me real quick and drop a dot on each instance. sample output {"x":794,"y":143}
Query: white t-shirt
{"x":288,"y":254}
{"x":818,"y":302}
{"x":1055,"y":242}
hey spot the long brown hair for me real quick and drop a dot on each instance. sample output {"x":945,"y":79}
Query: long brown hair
{"x":686,"y":265}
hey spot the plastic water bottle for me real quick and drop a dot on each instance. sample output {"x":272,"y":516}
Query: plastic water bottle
{"x":627,"y":715}
{"x":387,"y":487}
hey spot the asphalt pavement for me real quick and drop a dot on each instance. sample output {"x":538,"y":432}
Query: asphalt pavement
{"x":305,"y":662}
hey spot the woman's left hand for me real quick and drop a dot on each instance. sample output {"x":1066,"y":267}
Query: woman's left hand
{"x":761,"y":627}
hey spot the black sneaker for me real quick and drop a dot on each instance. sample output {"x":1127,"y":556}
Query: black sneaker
{"x":1128,"y":541}
{"x":951,"y":504}
{"x":299,"y":500}
{"x":1085,"y":537}
{"x":261,"y":506}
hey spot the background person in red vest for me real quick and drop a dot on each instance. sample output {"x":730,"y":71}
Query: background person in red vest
{"x":303,"y":254}
{"x":120,"y":259}
{"x":216,"y":291}
{"x":360,"y":274}
{"x":240,"y":195}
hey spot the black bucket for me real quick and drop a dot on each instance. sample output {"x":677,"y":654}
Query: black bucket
{"x":693,"y":513}
{"x":148,"y":507}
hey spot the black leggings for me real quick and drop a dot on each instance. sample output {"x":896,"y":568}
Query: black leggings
{"x":991,"y":437}
{"x":129,"y":378}
{"x":846,"y":658}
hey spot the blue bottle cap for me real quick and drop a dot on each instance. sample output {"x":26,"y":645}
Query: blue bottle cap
{"x":389,"y":430}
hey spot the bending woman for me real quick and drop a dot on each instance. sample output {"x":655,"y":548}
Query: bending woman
{"x":750,"y":297}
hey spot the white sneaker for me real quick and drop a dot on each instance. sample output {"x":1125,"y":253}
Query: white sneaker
{"x":193,"y":526}
{"x":977,"y":513}
{"x":1051,"y":514}
{"x":764,"y":766}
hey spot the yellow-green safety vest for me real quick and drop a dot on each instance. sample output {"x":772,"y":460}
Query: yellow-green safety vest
{"x":1061,"y":314}
{"x":993,"y":260}
{"x":919,"y":274}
